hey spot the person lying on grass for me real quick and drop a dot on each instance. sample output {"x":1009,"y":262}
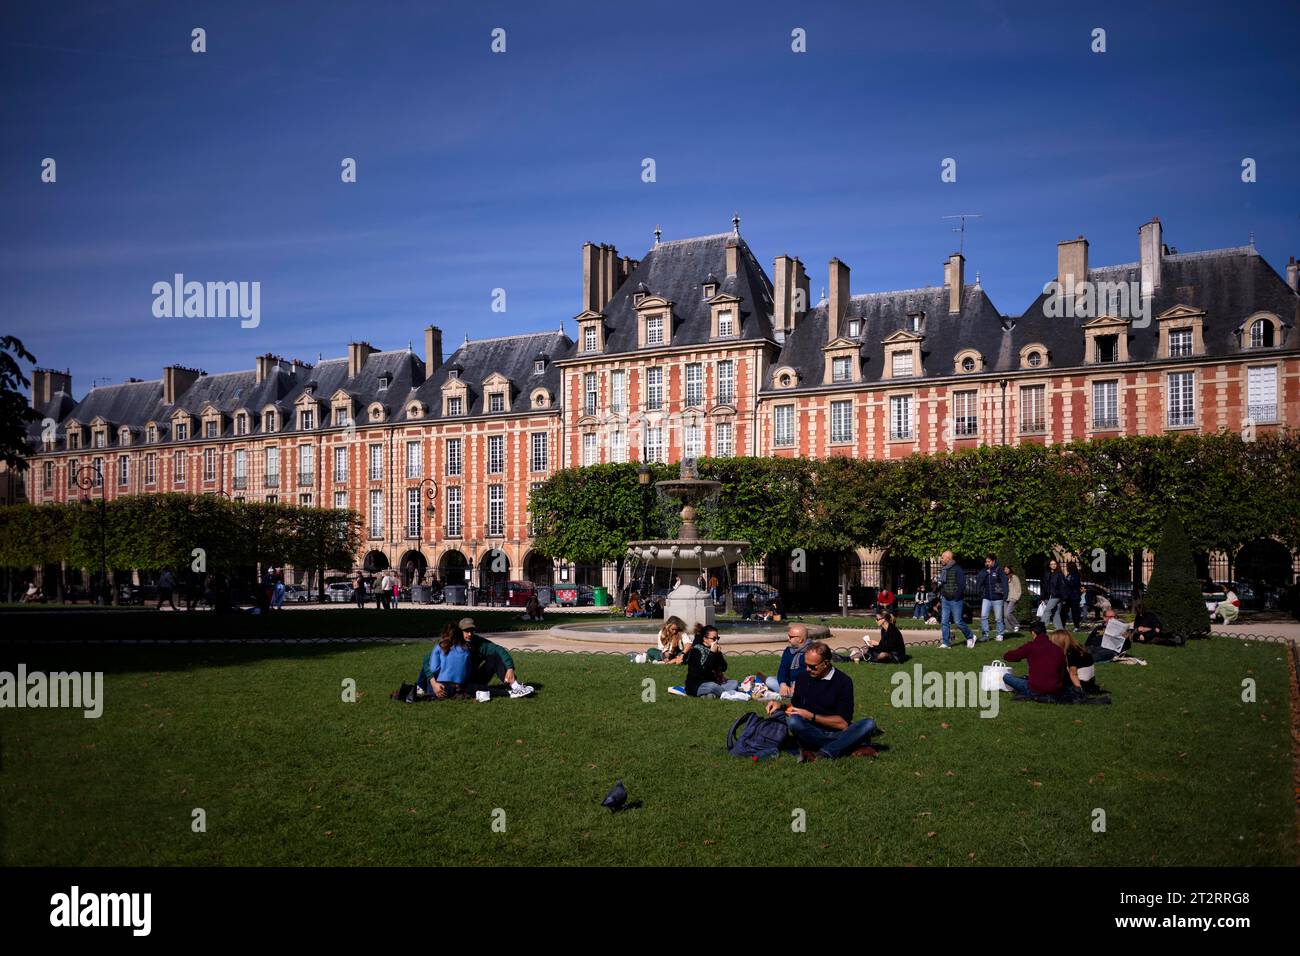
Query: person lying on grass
{"x":487,"y":660}
{"x":1046,"y":664}
{"x":446,"y":668}
{"x":706,"y":668}
{"x":791,"y":661}
{"x":821,"y":714}
{"x":889,"y":648}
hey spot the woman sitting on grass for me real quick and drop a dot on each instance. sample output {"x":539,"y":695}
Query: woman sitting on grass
{"x":671,"y":644}
{"x":706,"y":668}
{"x":1079,"y":665}
{"x":889,"y":649}
{"x":633,"y":608}
{"x":446,"y":668}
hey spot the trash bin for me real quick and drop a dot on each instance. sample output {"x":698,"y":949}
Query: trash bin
{"x":419,"y":594}
{"x":600,"y":596}
{"x":455,"y":594}
{"x":545,"y":596}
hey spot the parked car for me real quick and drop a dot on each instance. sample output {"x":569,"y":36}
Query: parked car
{"x":519,"y":593}
{"x":296,"y":594}
{"x":340,"y":592}
{"x":761,"y":592}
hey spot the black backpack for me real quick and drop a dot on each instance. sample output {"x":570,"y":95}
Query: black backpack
{"x":755,"y":736}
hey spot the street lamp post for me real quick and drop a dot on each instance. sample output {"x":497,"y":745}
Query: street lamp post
{"x":643,"y":476}
{"x":431,"y":493}
{"x":90,"y":477}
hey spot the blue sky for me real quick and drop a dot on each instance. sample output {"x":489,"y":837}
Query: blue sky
{"x":479,"y":171}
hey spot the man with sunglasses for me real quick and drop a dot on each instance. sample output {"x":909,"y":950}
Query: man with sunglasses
{"x":821,"y":713}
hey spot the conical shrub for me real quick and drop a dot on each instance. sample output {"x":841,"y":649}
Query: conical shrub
{"x":1174,"y":593}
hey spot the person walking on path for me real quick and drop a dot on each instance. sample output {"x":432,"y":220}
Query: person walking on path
{"x":992,"y":585}
{"x":952,"y":589}
{"x":166,"y":587}
{"x":1055,"y":593}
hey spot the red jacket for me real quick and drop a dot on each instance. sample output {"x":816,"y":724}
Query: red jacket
{"x":1046,"y":664}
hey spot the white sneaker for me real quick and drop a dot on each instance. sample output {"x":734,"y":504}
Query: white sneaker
{"x":943,"y":647}
{"x":999,"y":637}
{"x":523,"y":690}
{"x":970,"y":642}
{"x":677,"y":691}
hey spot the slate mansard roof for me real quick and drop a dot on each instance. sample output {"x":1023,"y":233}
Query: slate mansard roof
{"x":1229,"y":285}
{"x":677,"y":271}
{"x":513,"y":356}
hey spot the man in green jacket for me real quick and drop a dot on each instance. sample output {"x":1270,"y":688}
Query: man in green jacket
{"x":487,"y":659}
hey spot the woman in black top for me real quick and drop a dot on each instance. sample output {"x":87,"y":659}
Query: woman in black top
{"x":1073,"y":590}
{"x":706,"y":668}
{"x":1147,"y":627}
{"x":890,"y":649}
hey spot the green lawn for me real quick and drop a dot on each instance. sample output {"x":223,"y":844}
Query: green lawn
{"x":287,"y":773}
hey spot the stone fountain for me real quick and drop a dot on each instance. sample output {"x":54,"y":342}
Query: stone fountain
{"x":688,"y":556}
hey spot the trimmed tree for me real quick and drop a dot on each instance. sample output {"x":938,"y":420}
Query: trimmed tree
{"x":1174,"y":593}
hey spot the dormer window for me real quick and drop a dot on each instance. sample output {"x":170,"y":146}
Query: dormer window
{"x":785,"y":381}
{"x":914,"y":320}
{"x":1034,"y":359}
{"x":455,"y":405}
{"x":710,"y":290}
{"x":726,"y":324}
{"x":638,"y":298}
{"x":968,"y":364}
{"x":539,"y":366}
{"x":210,"y":429}
{"x":1107,"y":348}
{"x":855,"y":328}
{"x":124,"y":436}
{"x":589,"y":339}
{"x":241,"y":424}
{"x":268,"y":421}
{"x":306,"y":419}
{"x":182,"y":432}
{"x":453,"y":374}
{"x":654,"y":330}
{"x":384,"y":381}
{"x":151,"y":433}
{"x":496,"y":402}
{"x":1261,"y":334}
{"x":901,"y":365}
{"x":841,"y":369}
{"x":1180,"y":343}
{"x":101,"y":438}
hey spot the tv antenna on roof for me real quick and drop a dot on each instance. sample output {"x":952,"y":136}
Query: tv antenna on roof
{"x":961,"y":229}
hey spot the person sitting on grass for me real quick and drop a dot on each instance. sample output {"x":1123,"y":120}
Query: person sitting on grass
{"x":533,"y":609}
{"x":821,"y":713}
{"x":1046,"y":664}
{"x":791,"y":664}
{"x":633,"y":608}
{"x":1079,"y":665}
{"x":706,"y":668}
{"x":1229,"y":609}
{"x":1147,"y":628}
{"x":446,"y":667}
{"x":671,"y":644}
{"x":890,"y":648}
{"x":487,"y":660}
{"x":1109,"y":639}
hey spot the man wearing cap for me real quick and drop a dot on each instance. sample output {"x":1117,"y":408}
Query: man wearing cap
{"x":487,"y":659}
{"x":1046,"y":664}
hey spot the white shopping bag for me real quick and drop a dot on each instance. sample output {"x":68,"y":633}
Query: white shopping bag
{"x":991,"y":677}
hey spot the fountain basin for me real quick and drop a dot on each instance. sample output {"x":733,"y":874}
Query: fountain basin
{"x":687,"y":555}
{"x":642,"y":633}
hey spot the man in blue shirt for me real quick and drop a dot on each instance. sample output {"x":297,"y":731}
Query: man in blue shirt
{"x":992,"y":585}
{"x":791,"y":661}
{"x":952,"y":588}
{"x":821,"y":714}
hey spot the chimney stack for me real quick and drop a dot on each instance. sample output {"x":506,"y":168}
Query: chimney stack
{"x":602,"y":273}
{"x":176,"y":381}
{"x":1293,"y":275}
{"x":838,"y":306}
{"x":432,"y":350}
{"x":789,"y":294}
{"x":358,"y":352}
{"x":733,"y":256}
{"x":47,"y":382}
{"x":954,"y":280}
{"x":1071,"y":264}
{"x":1151,"y":248}
{"x":265,"y":363}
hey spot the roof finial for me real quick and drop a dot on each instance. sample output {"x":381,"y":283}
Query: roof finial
{"x":658,"y":232}
{"x":1252,"y":238}
{"x":735,"y":224}
{"x":466,"y":340}
{"x":977,"y":278}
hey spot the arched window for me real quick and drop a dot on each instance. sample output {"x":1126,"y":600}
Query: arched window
{"x":1261,"y":334}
